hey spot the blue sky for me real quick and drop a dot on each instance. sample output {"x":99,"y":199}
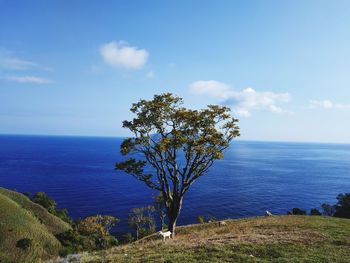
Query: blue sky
{"x":75,"y":67}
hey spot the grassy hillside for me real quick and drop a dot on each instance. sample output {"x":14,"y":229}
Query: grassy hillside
{"x":20,"y":218}
{"x":262,"y":239}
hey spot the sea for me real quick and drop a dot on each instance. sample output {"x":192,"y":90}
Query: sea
{"x":78,"y":172}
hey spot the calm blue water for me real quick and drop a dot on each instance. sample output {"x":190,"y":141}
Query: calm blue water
{"x":78,"y":172}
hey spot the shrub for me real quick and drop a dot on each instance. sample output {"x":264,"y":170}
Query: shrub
{"x":63,"y":214}
{"x":328,"y":209}
{"x":142,"y":220}
{"x":24,"y":243}
{"x":45,"y":201}
{"x":342,"y":208}
{"x":164,"y":226}
{"x":127,"y":238}
{"x":315,"y":212}
{"x":201,"y":219}
{"x":97,"y":225}
{"x":297,"y":211}
{"x":89,"y":234}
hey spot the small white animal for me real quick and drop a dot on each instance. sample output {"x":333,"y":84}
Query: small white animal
{"x":165,"y":234}
{"x":268,"y":213}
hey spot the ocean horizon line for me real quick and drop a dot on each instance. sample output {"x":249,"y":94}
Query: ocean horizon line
{"x":121,"y":137}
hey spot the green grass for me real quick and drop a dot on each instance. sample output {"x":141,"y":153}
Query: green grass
{"x":21,"y":218}
{"x":261,"y":239}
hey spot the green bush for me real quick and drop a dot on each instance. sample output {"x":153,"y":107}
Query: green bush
{"x":297,"y":211}
{"x":127,"y":238}
{"x":315,"y":212}
{"x":201,"y":219}
{"x":24,"y":243}
{"x":91,"y":233}
{"x":45,"y":201}
{"x":342,"y":208}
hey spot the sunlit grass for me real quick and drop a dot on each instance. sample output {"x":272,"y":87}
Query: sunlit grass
{"x":262,"y":239}
{"x":20,"y":218}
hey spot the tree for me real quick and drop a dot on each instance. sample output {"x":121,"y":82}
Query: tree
{"x":296,"y":211}
{"x":96,"y":228}
{"x":140,"y":218}
{"x":342,"y":208}
{"x":149,"y":211}
{"x":99,"y":225}
{"x":315,"y":212}
{"x":160,"y":208}
{"x":177,"y":146}
{"x":328,"y":209}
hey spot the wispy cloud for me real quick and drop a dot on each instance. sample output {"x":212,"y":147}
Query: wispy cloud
{"x":26,"y":79}
{"x":122,"y":55}
{"x":9,"y":61}
{"x":327,"y":104}
{"x":242,"y":102}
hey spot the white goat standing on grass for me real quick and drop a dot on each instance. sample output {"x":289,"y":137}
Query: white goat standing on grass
{"x":165,"y":234}
{"x":268,"y":213}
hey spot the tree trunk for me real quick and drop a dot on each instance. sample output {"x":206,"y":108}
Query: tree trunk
{"x":172,"y":226}
{"x":173,"y":214}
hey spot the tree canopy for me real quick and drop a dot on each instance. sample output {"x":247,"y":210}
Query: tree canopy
{"x":172,"y":145}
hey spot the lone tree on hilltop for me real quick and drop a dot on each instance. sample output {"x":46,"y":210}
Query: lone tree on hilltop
{"x":178,"y":144}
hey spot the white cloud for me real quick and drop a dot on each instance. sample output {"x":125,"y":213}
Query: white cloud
{"x":9,"y":61}
{"x":212,"y":88}
{"x":26,"y":79}
{"x":242,"y":102}
{"x":120,"y":54}
{"x":327,"y":104}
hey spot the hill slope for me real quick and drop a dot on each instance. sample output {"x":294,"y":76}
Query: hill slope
{"x":262,"y":239}
{"x":20,"y":218}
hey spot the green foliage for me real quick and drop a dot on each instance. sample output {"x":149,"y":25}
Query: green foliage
{"x":21,"y":219}
{"x":201,"y":219}
{"x":24,"y":243}
{"x":142,"y":220}
{"x":164,"y":226}
{"x":127,"y":238}
{"x":297,"y":211}
{"x":315,"y":212}
{"x":45,"y":201}
{"x":63,"y":214}
{"x":30,"y":233}
{"x":91,"y":233}
{"x":328,"y":209}
{"x":342,"y":208}
{"x":163,"y":130}
{"x":98,"y":225}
